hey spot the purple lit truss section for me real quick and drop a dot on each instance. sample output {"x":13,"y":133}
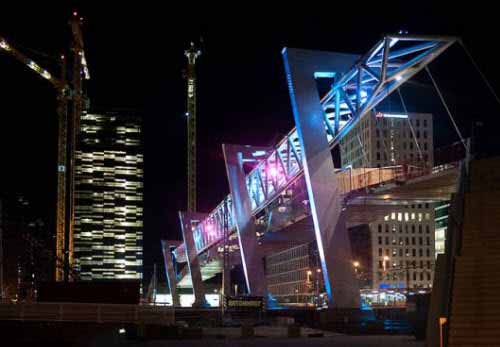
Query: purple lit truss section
{"x":374,"y":76}
{"x":274,"y":173}
{"x":266,"y":180}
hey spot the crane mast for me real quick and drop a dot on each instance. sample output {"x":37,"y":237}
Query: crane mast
{"x":192,"y":54}
{"x":70,"y":105}
{"x":62,"y":155}
{"x":66,"y":185}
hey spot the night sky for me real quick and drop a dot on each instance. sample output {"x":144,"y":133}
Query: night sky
{"x":135,"y":56}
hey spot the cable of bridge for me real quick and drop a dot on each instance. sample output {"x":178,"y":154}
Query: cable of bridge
{"x":447,"y":109}
{"x":410,"y":125}
{"x":495,"y":95}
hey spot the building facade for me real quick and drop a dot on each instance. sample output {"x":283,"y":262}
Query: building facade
{"x":383,"y":139}
{"x":403,"y":249}
{"x":108,"y":230}
{"x":294,"y":276}
{"x":403,"y":242}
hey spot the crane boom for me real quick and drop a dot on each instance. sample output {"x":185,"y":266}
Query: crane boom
{"x":69,"y":124}
{"x":60,"y":85}
{"x":18,"y":55}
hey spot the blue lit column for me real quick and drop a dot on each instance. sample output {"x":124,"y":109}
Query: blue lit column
{"x":324,"y":195}
{"x":188,"y":220}
{"x":250,"y":256}
{"x":170,"y":272}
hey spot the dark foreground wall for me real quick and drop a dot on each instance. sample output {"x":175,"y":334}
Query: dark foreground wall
{"x":112,"y":292}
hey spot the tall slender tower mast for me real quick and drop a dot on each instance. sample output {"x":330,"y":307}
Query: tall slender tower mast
{"x":70,"y":110}
{"x":192,"y":53}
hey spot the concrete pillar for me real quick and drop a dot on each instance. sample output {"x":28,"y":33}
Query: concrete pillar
{"x":170,"y":273}
{"x":325,"y":196}
{"x":188,"y":220}
{"x":250,"y":256}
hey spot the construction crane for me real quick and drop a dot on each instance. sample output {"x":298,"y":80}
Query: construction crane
{"x":70,"y":105}
{"x":192,"y":53}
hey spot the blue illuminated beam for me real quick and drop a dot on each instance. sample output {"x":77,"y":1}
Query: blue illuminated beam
{"x":389,"y":64}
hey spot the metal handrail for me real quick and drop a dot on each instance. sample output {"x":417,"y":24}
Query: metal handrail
{"x":83,"y":312}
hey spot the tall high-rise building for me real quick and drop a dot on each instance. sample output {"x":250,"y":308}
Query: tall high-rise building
{"x":108,"y":227}
{"x":402,"y":243}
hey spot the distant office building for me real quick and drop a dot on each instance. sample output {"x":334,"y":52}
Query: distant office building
{"x":402,"y":243}
{"x":294,"y":275}
{"x":403,"y":248}
{"x":361,"y":247}
{"x":26,"y":256}
{"x":384,"y":139}
{"x":108,"y":231}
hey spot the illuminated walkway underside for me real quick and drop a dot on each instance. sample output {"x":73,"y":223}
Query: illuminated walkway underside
{"x":302,"y":160}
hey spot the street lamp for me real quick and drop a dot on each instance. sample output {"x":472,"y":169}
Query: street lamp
{"x":356,"y":266}
{"x":309,"y":282}
{"x":386,"y":259}
{"x":318,"y":272}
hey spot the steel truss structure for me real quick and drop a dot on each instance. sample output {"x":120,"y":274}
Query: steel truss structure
{"x":359,"y":85}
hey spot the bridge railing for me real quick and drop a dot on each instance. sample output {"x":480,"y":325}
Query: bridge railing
{"x":356,"y":179}
{"x":350,"y":179}
{"x":93,"y":313}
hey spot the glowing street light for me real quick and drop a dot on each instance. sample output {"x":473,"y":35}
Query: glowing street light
{"x":386,"y":259}
{"x":309,"y":274}
{"x":356,"y":266}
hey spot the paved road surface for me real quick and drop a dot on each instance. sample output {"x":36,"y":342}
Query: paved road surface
{"x":337,"y":341}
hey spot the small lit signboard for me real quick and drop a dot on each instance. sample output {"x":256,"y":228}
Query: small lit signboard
{"x":243,"y":303}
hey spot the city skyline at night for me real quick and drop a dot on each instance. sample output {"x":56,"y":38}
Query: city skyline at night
{"x":254,"y":174}
{"x":123,"y":76}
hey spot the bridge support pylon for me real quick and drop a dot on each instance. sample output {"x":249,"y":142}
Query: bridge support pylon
{"x":250,"y":254}
{"x":170,"y":272}
{"x":188,"y":221}
{"x":325,"y":196}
